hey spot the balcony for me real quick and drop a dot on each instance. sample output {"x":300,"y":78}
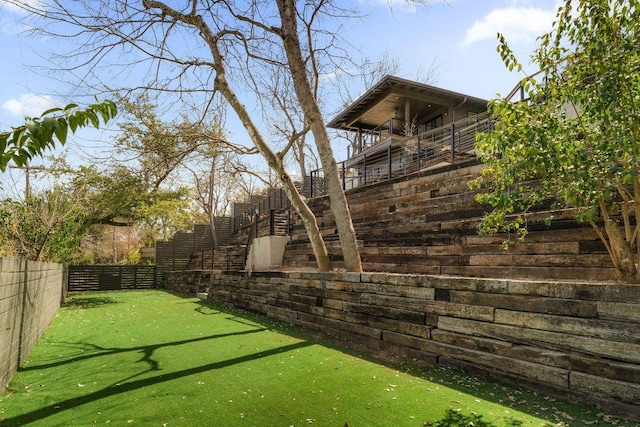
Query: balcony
{"x":386,"y":154}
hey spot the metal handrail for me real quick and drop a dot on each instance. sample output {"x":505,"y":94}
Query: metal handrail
{"x":519,"y":88}
{"x":446,"y":144}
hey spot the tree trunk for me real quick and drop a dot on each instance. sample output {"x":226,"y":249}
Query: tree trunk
{"x":622,"y":253}
{"x":306,"y":215}
{"x":211,"y":207}
{"x":313,"y":117}
{"x":275,"y":163}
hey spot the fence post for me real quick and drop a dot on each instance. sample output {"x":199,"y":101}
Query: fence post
{"x":311,"y":184}
{"x":255,"y":225}
{"x":155,"y":276}
{"x":173,"y":254}
{"x":272,"y":222}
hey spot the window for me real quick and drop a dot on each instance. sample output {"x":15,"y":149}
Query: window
{"x":436,"y":122}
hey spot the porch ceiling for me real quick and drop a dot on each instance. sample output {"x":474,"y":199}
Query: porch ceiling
{"x":389,"y":97}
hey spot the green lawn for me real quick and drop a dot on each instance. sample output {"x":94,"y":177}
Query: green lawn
{"x":150,"y":358}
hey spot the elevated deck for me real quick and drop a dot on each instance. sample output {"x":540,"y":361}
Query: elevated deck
{"x":395,"y":155}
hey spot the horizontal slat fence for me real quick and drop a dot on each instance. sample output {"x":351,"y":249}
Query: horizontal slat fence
{"x":30,"y":295}
{"x":111,"y":277}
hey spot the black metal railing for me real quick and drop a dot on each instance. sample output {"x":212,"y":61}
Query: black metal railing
{"x":391,"y":128}
{"x":446,"y":144}
{"x":274,"y":199}
{"x":519,"y":90}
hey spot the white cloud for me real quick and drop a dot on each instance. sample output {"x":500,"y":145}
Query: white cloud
{"x":14,"y":18}
{"x":334,"y":74}
{"x":23,"y":6}
{"x":517,"y":24}
{"x":405,"y":6}
{"x":29,"y":104}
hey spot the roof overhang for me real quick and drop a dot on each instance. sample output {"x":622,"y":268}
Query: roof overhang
{"x":390,"y":97}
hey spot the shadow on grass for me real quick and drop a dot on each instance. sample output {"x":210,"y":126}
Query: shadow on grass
{"x":469,"y":384}
{"x":119,"y":387}
{"x":206,"y":309}
{"x":456,"y":419}
{"x":89,"y":302}
{"x":146,"y":350}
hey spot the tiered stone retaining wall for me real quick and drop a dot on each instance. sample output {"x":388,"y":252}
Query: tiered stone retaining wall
{"x":427,"y":223}
{"x":577,"y":341}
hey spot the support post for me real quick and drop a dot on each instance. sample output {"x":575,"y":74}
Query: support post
{"x":389,"y":160}
{"x":419,"y":154}
{"x":453,"y":142}
{"x":364,"y":163}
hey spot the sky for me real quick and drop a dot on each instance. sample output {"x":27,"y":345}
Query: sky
{"x":458,"y":36}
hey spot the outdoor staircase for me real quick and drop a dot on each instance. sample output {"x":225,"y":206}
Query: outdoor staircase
{"x":226,"y":258}
{"x":233,"y":256}
{"x":280,"y":224}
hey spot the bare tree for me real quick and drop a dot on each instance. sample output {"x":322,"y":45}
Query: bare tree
{"x":225,"y":39}
{"x":289,"y":127}
{"x":313,"y":117}
{"x":218,"y":184}
{"x":215,"y":40}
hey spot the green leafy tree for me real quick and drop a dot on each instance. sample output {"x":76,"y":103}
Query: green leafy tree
{"x":38,"y":134}
{"x":45,"y":226}
{"x":51,"y":224}
{"x":175,"y":154}
{"x":575,"y":140}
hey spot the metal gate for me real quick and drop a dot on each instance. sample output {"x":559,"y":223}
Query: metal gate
{"x":111,"y":277}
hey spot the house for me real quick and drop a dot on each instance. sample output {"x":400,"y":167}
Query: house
{"x":400,"y":126}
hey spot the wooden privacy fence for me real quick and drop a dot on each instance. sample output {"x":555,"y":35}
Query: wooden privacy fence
{"x":111,"y":277}
{"x":30,"y":295}
{"x":175,"y":254}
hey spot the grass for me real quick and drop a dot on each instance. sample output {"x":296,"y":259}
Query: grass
{"x":155,"y":359}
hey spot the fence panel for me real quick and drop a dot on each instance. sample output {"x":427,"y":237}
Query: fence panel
{"x":111,"y":277}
